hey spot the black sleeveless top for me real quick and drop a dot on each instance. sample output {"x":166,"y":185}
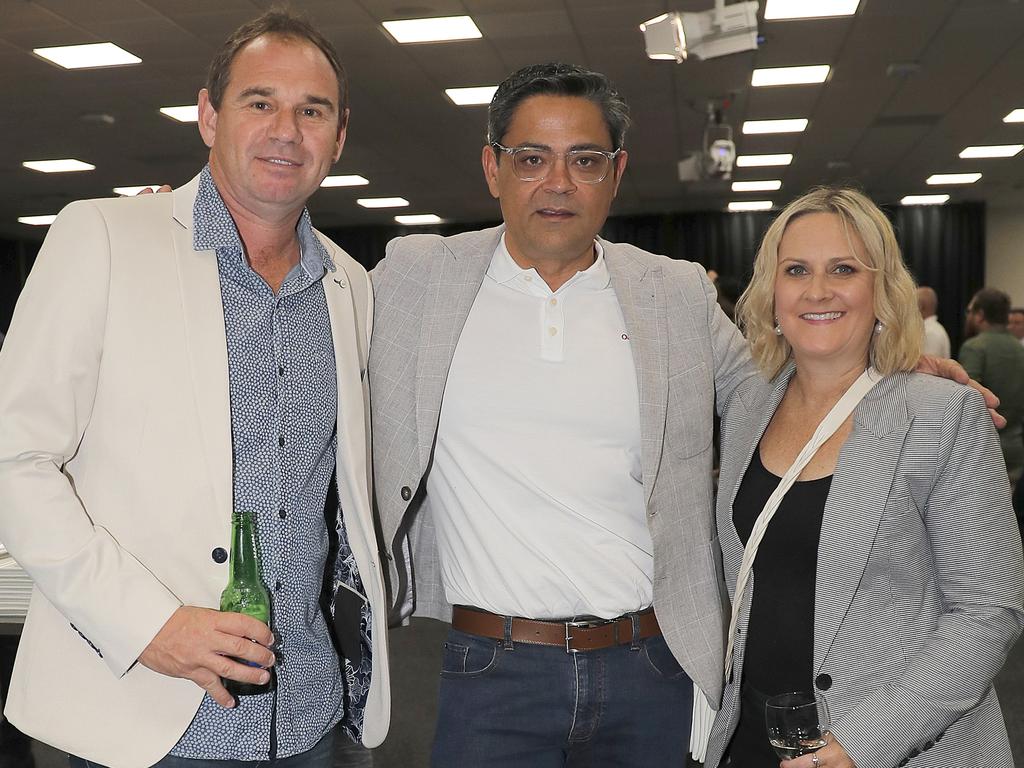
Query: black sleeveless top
{"x":779,"y":655}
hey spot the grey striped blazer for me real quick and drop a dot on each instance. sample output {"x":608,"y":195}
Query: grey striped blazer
{"x":920,"y":583}
{"x":684,"y":348}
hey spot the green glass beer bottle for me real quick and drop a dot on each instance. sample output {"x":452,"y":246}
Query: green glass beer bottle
{"x":245,"y":592}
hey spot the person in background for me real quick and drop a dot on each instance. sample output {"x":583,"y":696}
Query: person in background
{"x":936,"y":340}
{"x":994,"y":357}
{"x":174,"y":358}
{"x":865,"y":588}
{"x":1015,"y":324}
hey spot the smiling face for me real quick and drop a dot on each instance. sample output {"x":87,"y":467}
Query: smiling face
{"x":278,"y":129}
{"x":824,"y":295}
{"x":554,"y":220}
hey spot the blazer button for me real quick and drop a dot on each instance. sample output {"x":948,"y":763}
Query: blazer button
{"x":219,"y":555}
{"x":823,"y":682}
{"x":406,"y":493}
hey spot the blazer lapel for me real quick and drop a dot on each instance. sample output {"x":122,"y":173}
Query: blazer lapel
{"x":207,"y":346}
{"x":353,"y":485}
{"x":641,"y":297}
{"x":856,"y":502}
{"x":456,"y":275}
{"x":749,"y":430}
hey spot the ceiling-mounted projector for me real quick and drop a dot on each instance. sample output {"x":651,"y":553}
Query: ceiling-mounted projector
{"x":720,"y":31}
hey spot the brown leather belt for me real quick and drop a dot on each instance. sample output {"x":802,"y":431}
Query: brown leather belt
{"x":573,"y":636}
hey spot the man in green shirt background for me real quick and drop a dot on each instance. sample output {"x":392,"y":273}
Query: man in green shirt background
{"x":995,"y":358}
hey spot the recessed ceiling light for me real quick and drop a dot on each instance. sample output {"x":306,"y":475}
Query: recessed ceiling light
{"x":344,"y":181}
{"x":992,"y":150}
{"x":794,"y":125}
{"x":436,"y":30}
{"x":953,"y":178}
{"x":1017,"y":116}
{"x":763,"y":161}
{"x":382,"y":202}
{"x":468,"y":97}
{"x":38,"y":221}
{"x":776,"y":10}
{"x":87,"y":56}
{"x":790,"y":75}
{"x":750,"y":205}
{"x":756,"y":186}
{"x":924,"y":200}
{"x":183,"y":114}
{"x":132,"y":191}
{"x":58,"y":166}
{"x":419,"y":218}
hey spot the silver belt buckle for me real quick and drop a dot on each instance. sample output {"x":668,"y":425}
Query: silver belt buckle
{"x":584,"y":624}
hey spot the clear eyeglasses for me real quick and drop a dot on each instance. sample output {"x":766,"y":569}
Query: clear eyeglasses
{"x":586,"y":166}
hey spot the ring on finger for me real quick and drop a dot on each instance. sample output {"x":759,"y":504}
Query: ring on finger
{"x":815,"y":761}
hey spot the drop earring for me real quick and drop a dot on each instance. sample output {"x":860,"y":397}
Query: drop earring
{"x":778,"y":328}
{"x":879,"y":326}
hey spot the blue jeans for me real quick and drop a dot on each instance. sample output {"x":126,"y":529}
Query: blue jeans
{"x":512,"y":705}
{"x":319,"y":756}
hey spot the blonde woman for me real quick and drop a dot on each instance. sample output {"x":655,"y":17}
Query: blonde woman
{"x":890,"y":578}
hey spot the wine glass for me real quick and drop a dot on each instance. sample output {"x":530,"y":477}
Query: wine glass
{"x":797,"y":723}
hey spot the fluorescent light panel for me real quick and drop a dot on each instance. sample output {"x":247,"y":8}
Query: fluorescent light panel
{"x":183,"y":114}
{"x":132,"y":191}
{"x":68,"y":165}
{"x":793,"y":125}
{"x":419,"y":218}
{"x":87,"y":56}
{"x":436,"y":30}
{"x":345,"y":181}
{"x":750,"y":205}
{"x":1017,"y":116}
{"x":38,"y":221}
{"x":757,"y":186}
{"x":790,"y":75}
{"x":382,"y":202}
{"x":924,"y":200}
{"x":991,"y":150}
{"x":468,"y":97}
{"x":777,"y":10}
{"x":953,"y":178}
{"x":763,"y":161}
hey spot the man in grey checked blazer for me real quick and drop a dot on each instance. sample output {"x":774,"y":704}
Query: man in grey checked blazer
{"x":683,"y":350}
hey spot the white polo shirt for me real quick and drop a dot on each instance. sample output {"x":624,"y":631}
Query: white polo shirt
{"x":536,"y":486}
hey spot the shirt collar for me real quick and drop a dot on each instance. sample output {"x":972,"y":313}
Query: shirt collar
{"x":503,"y":269}
{"x":213,"y":228}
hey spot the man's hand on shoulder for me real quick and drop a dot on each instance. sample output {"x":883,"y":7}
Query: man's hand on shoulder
{"x":951,"y":369}
{"x":200,"y":644}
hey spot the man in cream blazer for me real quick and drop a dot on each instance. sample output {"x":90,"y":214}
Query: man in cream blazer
{"x":118,"y":473}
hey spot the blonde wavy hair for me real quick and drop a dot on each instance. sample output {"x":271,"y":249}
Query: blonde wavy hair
{"x":898,"y":346}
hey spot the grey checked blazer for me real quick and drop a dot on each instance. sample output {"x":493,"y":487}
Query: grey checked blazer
{"x":920,"y":582}
{"x":684,"y":349}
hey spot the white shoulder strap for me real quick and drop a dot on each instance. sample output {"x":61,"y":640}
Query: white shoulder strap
{"x":703,"y":715}
{"x":835,"y":418}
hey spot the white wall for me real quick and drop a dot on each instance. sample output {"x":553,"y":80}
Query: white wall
{"x":1004,"y":251}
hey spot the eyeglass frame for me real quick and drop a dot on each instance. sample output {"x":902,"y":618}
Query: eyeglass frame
{"x":513,"y":151}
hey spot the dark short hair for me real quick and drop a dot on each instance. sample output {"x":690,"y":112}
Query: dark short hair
{"x":557,"y":80}
{"x":993,"y":303}
{"x":281,"y":23}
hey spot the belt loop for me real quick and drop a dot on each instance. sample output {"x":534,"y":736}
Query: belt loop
{"x":635,"y":618}
{"x":509,"y":646}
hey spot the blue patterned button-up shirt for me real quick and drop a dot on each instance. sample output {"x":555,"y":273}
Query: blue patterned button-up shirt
{"x":283,"y":389}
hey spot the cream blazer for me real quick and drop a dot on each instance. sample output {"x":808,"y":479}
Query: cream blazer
{"x":116,"y":469}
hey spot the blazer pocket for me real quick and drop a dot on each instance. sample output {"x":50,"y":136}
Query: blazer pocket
{"x":689,"y":423}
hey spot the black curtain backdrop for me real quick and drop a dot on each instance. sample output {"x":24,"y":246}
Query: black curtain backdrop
{"x":944,"y":247}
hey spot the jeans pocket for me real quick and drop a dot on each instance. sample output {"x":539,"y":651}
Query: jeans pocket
{"x":658,"y":656}
{"x":468,"y":656}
